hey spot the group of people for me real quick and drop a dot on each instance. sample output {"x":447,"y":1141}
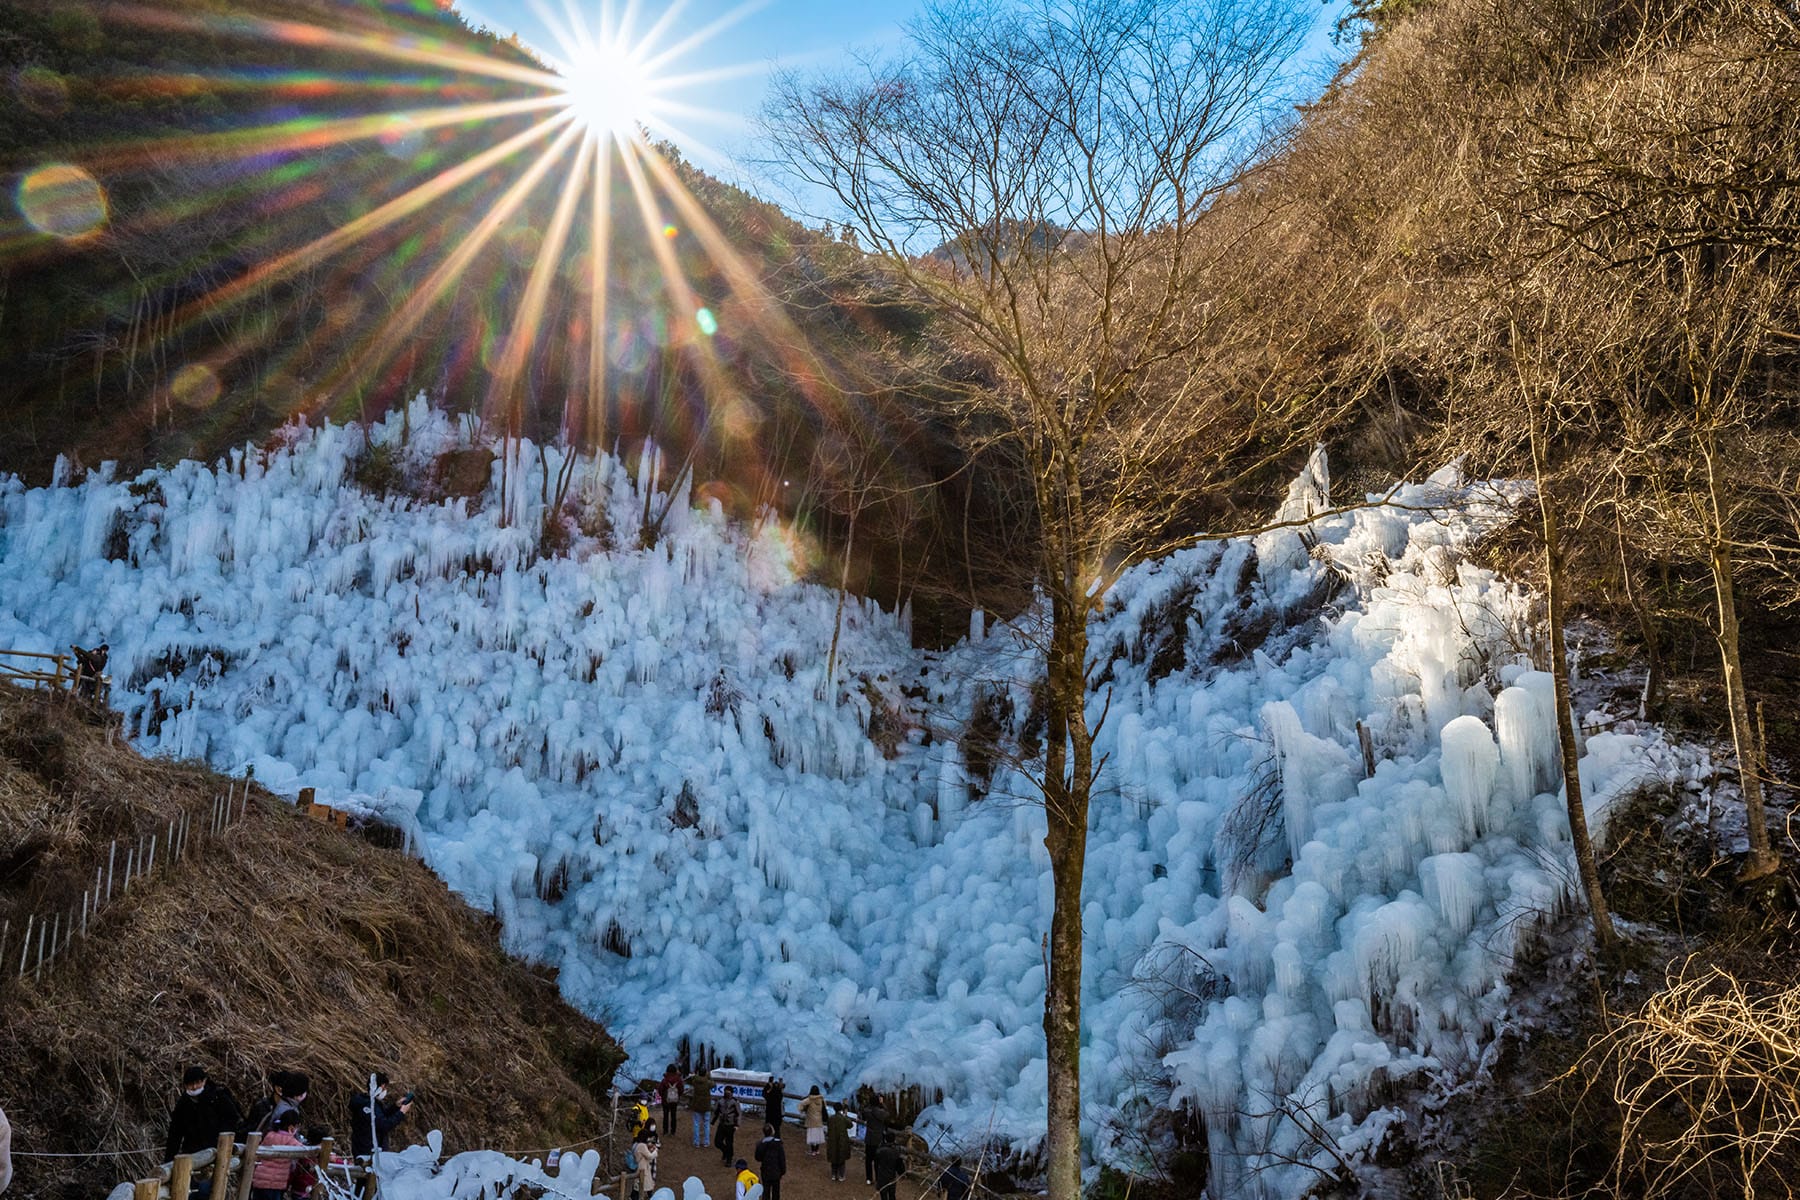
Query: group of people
{"x":830,"y":1131}
{"x":205,"y":1109}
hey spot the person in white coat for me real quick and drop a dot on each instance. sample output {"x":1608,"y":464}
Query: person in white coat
{"x":645,"y":1151}
{"x":5,"y":1152}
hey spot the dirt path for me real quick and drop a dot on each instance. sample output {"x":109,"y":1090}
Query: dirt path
{"x":806,"y":1178}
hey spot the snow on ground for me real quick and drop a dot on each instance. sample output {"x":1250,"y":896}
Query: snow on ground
{"x":420,"y":1173}
{"x":634,"y":757}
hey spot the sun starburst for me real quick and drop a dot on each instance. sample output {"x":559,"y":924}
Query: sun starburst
{"x":492,"y":227}
{"x":609,"y":90}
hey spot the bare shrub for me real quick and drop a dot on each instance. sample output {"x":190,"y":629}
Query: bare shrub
{"x":1706,"y":1078}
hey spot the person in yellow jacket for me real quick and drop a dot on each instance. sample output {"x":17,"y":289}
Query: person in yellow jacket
{"x":746,"y":1179}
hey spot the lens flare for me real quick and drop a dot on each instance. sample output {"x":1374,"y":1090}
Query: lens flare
{"x":708,"y":323}
{"x":608,"y":90}
{"x":63,"y":201}
{"x":194,"y":386}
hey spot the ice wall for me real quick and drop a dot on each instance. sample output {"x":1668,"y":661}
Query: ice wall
{"x":632,"y":756}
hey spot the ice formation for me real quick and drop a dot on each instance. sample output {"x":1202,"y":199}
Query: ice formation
{"x":421,"y":1173}
{"x":632,"y":755}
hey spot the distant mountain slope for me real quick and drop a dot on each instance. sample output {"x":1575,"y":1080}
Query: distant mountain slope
{"x":280,"y":943}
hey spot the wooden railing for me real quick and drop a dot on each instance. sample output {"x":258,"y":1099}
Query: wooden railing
{"x":173,"y":1180}
{"x":58,"y":672}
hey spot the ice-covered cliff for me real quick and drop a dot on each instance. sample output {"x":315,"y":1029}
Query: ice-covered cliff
{"x":635,"y":758}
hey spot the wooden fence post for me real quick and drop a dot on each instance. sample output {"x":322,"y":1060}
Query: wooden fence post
{"x":181,"y":1174}
{"x":146,"y":1189}
{"x":221,"y":1167}
{"x":325,"y":1145}
{"x":247,"y":1166}
{"x":368,"y":1179}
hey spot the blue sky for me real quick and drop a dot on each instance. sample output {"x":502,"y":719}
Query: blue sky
{"x":758,"y":37}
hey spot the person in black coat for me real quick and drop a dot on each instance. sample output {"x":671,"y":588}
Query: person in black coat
{"x":774,"y":1099}
{"x":387,"y":1116}
{"x":772,"y":1156}
{"x":874,"y":1134}
{"x":955,"y":1182}
{"x":890,"y":1165}
{"x":203,"y":1111}
{"x":287,"y":1090}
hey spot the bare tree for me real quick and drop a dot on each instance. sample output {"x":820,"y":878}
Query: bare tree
{"x":1672,"y":187}
{"x":1042,"y":175}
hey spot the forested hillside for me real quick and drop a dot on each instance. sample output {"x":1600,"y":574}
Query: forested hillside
{"x":231,"y":215}
{"x":1577,"y":220}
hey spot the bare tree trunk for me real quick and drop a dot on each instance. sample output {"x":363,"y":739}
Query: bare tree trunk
{"x":837,"y":623}
{"x":1067,"y":766}
{"x":1604,"y":934}
{"x":1762,"y":860}
{"x":505,"y":473}
{"x":1648,"y":627}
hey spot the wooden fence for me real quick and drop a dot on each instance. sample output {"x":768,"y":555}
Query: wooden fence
{"x":232,"y":1169}
{"x":173,"y":1180}
{"x":58,"y":672}
{"x":47,"y":936}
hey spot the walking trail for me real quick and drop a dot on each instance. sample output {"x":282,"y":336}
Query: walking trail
{"x":806,"y":1178}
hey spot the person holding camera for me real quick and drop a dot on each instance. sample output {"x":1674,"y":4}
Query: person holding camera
{"x":372,"y":1118}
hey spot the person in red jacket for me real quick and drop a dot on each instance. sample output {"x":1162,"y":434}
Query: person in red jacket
{"x":671,"y":1098}
{"x":5,"y":1152}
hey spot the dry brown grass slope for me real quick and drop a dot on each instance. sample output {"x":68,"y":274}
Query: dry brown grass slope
{"x":279,"y":943}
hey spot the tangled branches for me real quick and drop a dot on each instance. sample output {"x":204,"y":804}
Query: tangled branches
{"x":1706,"y":1077}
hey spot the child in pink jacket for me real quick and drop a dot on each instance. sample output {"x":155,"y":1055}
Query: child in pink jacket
{"x":270,"y":1179}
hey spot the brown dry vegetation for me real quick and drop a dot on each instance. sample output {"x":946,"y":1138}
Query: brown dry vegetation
{"x":1649,"y":1080}
{"x":281,"y":943}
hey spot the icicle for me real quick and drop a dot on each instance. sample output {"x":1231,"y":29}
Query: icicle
{"x":1469,"y":763}
{"x":1454,"y":885}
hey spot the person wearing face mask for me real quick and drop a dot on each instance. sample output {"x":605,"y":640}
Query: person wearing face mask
{"x":368,"y":1132}
{"x":203,"y":1111}
{"x":287,"y":1089}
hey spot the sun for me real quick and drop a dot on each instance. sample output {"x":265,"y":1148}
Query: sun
{"x":609,"y":89}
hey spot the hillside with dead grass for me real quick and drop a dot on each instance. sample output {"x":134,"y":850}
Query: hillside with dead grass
{"x":280,"y":942}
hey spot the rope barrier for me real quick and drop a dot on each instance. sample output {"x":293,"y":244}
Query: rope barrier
{"x":547,"y":1149}
{"x":85,"y":1154}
